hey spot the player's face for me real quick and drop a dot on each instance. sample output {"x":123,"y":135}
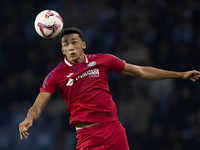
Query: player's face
{"x":73,"y":47}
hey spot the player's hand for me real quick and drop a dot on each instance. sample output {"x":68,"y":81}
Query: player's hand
{"x":192,"y":75}
{"x":24,"y":126}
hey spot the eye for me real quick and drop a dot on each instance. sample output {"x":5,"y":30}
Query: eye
{"x":74,"y":42}
{"x":65,"y":44}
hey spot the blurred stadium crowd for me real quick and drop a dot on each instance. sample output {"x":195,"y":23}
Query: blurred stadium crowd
{"x":157,"y":115}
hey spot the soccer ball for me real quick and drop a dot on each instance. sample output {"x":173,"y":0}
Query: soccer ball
{"x":48,"y":24}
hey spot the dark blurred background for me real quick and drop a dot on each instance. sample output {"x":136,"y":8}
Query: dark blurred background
{"x":157,"y":115}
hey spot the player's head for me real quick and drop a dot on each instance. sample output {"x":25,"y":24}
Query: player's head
{"x":71,"y":30}
{"x":73,"y":44}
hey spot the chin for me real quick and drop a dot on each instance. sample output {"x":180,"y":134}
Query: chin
{"x":74,"y":60}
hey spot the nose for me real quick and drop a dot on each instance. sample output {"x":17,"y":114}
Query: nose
{"x":71,"y":47}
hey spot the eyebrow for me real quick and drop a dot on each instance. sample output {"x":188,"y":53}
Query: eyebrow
{"x":71,"y":40}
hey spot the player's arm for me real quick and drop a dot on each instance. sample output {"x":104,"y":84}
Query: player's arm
{"x":33,"y":113}
{"x":150,"y":73}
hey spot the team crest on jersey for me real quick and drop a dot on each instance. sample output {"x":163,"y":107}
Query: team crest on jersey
{"x":92,"y":63}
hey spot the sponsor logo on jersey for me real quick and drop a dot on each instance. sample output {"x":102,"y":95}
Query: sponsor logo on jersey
{"x":92,"y":63}
{"x":89,"y":73}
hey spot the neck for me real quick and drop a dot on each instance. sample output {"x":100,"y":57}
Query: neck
{"x":79,"y":60}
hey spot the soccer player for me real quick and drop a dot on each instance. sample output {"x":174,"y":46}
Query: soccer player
{"x":82,"y":80}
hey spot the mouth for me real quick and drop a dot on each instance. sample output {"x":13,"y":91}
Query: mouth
{"x":72,"y":54}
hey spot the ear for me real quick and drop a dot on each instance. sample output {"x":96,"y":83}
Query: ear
{"x":83,"y":45}
{"x":63,"y":50}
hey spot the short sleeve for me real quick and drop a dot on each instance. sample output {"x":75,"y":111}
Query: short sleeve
{"x":114,"y":63}
{"x":49,"y":84}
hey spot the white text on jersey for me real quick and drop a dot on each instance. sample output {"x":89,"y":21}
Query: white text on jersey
{"x":90,"y":73}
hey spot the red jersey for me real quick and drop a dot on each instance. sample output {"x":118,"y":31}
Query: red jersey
{"x":84,"y":87}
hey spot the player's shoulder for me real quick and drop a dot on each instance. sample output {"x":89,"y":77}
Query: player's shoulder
{"x":59,"y":67}
{"x":100,"y":55}
{"x":89,"y":56}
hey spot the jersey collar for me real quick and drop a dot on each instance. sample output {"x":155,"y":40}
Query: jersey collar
{"x":71,"y":64}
